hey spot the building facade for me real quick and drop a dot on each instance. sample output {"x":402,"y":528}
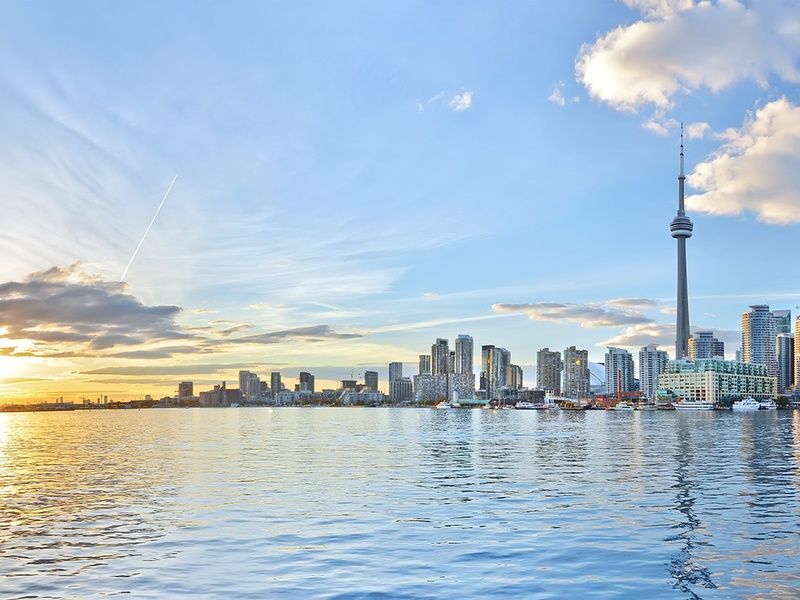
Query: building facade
{"x":703,"y":344}
{"x":464,"y":354}
{"x":576,"y":373}
{"x":424,"y":364}
{"x":440,"y":357}
{"x":275,"y":383}
{"x":514,"y":377}
{"x":371,"y":380}
{"x":401,"y":390}
{"x":395,"y":371}
{"x":619,"y":371}
{"x":783,"y":321}
{"x":652,"y":363}
{"x":758,"y":338}
{"x":786,"y":351}
{"x":717,"y":381}
{"x":185,"y":390}
{"x":548,"y":371}
{"x":306,"y":382}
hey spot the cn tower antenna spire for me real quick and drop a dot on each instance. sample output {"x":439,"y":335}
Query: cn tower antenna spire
{"x":681,"y":229}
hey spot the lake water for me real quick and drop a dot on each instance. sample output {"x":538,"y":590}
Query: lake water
{"x":393,"y":503}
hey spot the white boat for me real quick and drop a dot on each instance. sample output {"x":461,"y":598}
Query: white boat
{"x":767,"y":405}
{"x":746,"y":405}
{"x":688,"y":405}
{"x":523,"y":405}
{"x":623,"y":406}
{"x":443,"y":405}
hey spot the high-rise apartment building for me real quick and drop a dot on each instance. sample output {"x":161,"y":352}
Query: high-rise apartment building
{"x":275,"y":383}
{"x":371,"y":380}
{"x":548,"y":371}
{"x":514,"y":377}
{"x":424,"y":364}
{"x":576,"y":373}
{"x":464,"y":354}
{"x":306,"y":382}
{"x":797,"y":356}
{"x":494,"y":364}
{"x":703,"y":344}
{"x":249,"y":385}
{"x":652,"y":363}
{"x":185,"y":389}
{"x":440,"y":357}
{"x":785,"y":347}
{"x":395,"y":371}
{"x":783,"y":321}
{"x":758,"y":338}
{"x":619,"y":371}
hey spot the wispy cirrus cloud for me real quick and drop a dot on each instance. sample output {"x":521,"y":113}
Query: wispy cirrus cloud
{"x":614,"y":313}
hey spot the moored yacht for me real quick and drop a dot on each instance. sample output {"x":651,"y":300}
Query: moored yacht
{"x":524,"y":405}
{"x":767,"y":405}
{"x":623,"y":406}
{"x":688,"y":404}
{"x":746,"y":405}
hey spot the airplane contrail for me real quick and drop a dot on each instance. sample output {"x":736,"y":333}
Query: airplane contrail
{"x":141,"y":241}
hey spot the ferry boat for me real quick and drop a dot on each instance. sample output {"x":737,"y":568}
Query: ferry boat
{"x":693,"y":405}
{"x":746,"y":405}
{"x":523,"y":405}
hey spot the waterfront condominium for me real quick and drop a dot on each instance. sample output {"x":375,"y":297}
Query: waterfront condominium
{"x":576,"y":373}
{"x":548,"y":371}
{"x":275,"y":383}
{"x":797,"y":356}
{"x":395,"y":371}
{"x":783,"y":321}
{"x":494,"y":368}
{"x":371,"y":380}
{"x":619,"y":371}
{"x":652,"y":363}
{"x":786,"y":352}
{"x":424,"y":364}
{"x":758,"y":338}
{"x":718,"y":381}
{"x":464,"y":354}
{"x":440,"y":357}
{"x":703,"y":344}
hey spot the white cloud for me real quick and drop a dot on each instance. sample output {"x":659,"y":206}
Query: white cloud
{"x":556,"y":97}
{"x":697,"y":131}
{"x":461,"y":102}
{"x":756,"y":170}
{"x":587,"y":315}
{"x":660,"y":127}
{"x":680,"y":47}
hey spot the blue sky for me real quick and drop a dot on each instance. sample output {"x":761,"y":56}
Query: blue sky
{"x":392,"y":172}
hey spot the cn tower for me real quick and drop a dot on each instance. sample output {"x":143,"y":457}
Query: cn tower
{"x":681,"y":229}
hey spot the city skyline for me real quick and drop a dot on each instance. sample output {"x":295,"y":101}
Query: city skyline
{"x":338,"y":207}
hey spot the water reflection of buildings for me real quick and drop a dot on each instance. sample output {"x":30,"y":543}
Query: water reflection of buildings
{"x":683,"y":565}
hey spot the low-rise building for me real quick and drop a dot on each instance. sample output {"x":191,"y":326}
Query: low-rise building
{"x":714,"y":380}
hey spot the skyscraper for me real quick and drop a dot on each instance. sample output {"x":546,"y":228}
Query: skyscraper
{"x":185,"y":389}
{"x":681,"y":229}
{"x":424,"y":364}
{"x":758,"y":338}
{"x":371,"y":380}
{"x":275,"y":383}
{"x":464,"y":354}
{"x":306,"y":382}
{"x":440,"y":357}
{"x":619,"y":371}
{"x":548,"y":371}
{"x":576,"y":373}
{"x":786,"y":351}
{"x":797,"y":356}
{"x":494,"y":365}
{"x":703,"y":344}
{"x":783,"y":321}
{"x":395,"y":371}
{"x":514,"y":376}
{"x":652,"y":363}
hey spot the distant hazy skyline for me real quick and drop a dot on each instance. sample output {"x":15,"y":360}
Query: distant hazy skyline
{"x":356,"y":179}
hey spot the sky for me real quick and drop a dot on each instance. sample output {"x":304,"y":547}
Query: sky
{"x":356,"y":179}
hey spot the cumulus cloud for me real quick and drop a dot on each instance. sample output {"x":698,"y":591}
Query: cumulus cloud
{"x":663,"y":335}
{"x":587,"y":315}
{"x":461,"y":102}
{"x":757,"y":169}
{"x":697,"y":131}
{"x":680,"y":47}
